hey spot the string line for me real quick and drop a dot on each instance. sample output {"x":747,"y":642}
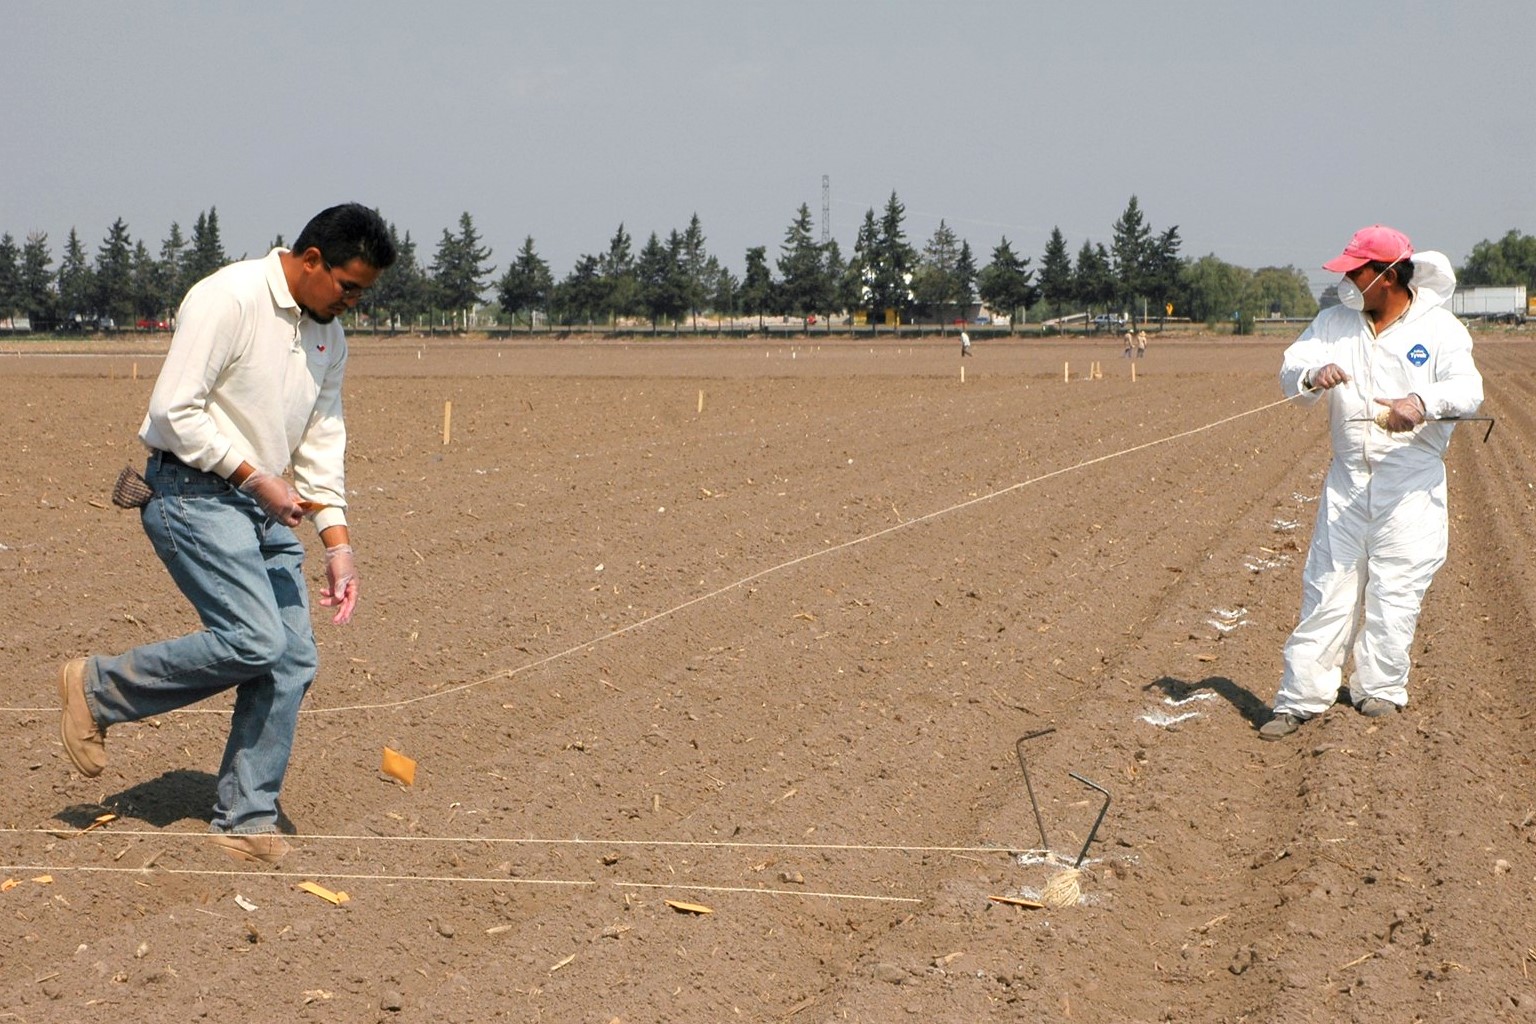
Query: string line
{"x":552,"y":882}
{"x":539,"y":841}
{"x":761,"y":573}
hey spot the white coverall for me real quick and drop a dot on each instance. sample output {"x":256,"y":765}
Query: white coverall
{"x":1381,"y":521}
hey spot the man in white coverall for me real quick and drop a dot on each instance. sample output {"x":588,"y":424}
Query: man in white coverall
{"x":250,"y":387}
{"x":1390,"y":360}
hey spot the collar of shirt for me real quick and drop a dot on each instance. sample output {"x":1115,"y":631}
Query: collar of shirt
{"x":282,"y":298}
{"x":278,"y":283}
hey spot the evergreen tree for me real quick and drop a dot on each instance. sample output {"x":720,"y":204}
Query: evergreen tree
{"x":893,"y":263}
{"x":527,"y":284}
{"x":836,"y":273}
{"x":1004,"y":283}
{"x":459,"y":270}
{"x":757,"y":288}
{"x":965,"y":274}
{"x":76,"y":292}
{"x":170,"y":270}
{"x":581,"y":297}
{"x":37,"y":278}
{"x":694,"y":261}
{"x":621,"y":289}
{"x":148,"y":300}
{"x":207,"y":250}
{"x":723,"y":297}
{"x":1056,"y":280}
{"x":12,"y":299}
{"x":803,"y":287}
{"x":662,"y":278}
{"x":402,"y":293}
{"x":1132,"y":252}
{"x":1164,"y":269}
{"x":859,"y":278}
{"x":113,"y":281}
{"x":1093,"y":279}
{"x":935,"y":283}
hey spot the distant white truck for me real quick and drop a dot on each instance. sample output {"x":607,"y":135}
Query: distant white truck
{"x":1491,"y":303}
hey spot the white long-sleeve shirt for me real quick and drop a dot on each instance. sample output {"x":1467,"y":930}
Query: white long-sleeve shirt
{"x":250,"y":377}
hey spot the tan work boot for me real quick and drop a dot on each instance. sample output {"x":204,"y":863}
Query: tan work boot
{"x":84,"y":741}
{"x":257,"y":848}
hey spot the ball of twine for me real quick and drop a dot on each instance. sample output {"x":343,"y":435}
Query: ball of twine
{"x":1063,"y":889}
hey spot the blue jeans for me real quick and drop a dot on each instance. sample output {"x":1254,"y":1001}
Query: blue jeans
{"x":241,"y":570}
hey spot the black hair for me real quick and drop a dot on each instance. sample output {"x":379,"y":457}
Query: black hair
{"x":1404,"y":268}
{"x":348,"y":232}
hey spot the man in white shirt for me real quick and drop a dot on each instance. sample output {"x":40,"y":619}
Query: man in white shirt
{"x":251,"y":386}
{"x":1392,"y":364}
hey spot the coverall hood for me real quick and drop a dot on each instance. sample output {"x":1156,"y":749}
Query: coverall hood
{"x":1433,"y":282}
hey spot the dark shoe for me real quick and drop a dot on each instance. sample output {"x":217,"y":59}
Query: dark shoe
{"x":1377,"y":707}
{"x":258,"y":848}
{"x":1280,"y":726}
{"x":84,"y":741}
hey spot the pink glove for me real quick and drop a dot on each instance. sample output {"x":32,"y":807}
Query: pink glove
{"x":340,"y":591}
{"x":275,"y":495}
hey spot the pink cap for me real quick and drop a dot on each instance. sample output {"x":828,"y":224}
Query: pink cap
{"x":1377,"y":242}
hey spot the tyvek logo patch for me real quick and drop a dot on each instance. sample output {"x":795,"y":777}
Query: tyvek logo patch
{"x":1418,"y":355}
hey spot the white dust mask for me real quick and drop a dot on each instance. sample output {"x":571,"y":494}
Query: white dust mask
{"x":1351,"y":297}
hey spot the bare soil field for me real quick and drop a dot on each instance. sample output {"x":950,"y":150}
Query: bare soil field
{"x":759,"y":627}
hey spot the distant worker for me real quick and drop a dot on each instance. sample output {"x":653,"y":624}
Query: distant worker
{"x":1130,"y":344}
{"x":1141,"y":344}
{"x":965,"y":344}
{"x":1392,"y":361}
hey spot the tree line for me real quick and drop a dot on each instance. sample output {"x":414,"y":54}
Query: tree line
{"x":675,"y":278}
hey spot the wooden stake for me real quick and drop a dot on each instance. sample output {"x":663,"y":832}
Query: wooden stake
{"x":1133,"y":373}
{"x":701,"y":400}
{"x":1066,"y":376}
{"x":447,"y":420}
{"x":962,"y":373}
{"x":135,"y":371}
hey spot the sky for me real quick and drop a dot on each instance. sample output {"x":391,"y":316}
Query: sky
{"x":1266,"y":132}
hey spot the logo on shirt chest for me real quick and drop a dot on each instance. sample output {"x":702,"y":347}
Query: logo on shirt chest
{"x":1418,"y":355}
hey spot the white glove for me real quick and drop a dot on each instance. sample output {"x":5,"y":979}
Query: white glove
{"x":275,"y":495}
{"x":340,"y":591}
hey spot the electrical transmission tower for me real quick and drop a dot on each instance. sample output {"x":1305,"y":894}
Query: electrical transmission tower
{"x":826,"y":209}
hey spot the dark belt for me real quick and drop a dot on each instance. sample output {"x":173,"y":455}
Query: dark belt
{"x":167,"y":457}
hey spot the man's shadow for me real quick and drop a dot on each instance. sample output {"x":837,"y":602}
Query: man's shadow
{"x":161,"y":802}
{"x":1249,"y":706}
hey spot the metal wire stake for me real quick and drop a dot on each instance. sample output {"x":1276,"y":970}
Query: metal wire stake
{"x":1034,"y":805}
{"x":1096,"y":822}
{"x":1443,"y":419}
